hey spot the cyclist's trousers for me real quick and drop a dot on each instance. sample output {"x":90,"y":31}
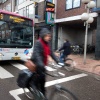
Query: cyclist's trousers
{"x":40,"y":83}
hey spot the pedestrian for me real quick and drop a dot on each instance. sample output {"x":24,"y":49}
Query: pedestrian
{"x":40,"y":55}
{"x":66,"y":50}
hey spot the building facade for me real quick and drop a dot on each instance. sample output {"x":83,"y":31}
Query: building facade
{"x":28,"y":9}
{"x":8,"y":5}
{"x":69,"y":23}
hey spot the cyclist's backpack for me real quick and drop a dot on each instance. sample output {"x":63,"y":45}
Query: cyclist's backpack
{"x":24,"y":78}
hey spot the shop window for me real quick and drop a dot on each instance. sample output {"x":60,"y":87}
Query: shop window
{"x":71,"y":4}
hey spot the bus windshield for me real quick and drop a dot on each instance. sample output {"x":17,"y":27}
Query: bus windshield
{"x":15,"y":34}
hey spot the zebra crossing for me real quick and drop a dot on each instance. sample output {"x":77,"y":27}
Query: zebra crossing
{"x":6,"y":74}
{"x":16,"y":92}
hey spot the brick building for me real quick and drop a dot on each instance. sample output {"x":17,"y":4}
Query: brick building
{"x":69,"y":24}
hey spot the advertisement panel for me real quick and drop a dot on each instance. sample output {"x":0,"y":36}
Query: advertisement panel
{"x":50,"y":13}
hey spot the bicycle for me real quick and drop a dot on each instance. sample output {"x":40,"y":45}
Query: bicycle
{"x":57,"y":93}
{"x":96,"y":72}
{"x":68,"y":63}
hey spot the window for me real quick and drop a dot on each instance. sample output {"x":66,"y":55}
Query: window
{"x":21,"y":1}
{"x":16,"y":2}
{"x":15,"y":35}
{"x":36,"y":10}
{"x":24,"y":11}
{"x":31,"y":13}
{"x":8,"y":7}
{"x":21,"y":11}
{"x":4,"y":1}
{"x":70,"y":4}
{"x":27,"y":11}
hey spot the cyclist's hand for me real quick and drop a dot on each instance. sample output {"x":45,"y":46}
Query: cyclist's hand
{"x":57,"y":50}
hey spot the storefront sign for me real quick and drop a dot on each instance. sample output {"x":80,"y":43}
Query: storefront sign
{"x":50,"y":7}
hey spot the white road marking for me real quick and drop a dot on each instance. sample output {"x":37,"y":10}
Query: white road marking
{"x":66,"y":79}
{"x":17,"y":92}
{"x":4,"y":73}
{"x":19,"y":66}
{"x":62,"y":74}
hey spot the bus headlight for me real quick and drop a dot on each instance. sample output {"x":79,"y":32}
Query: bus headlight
{"x":1,"y":54}
{"x":30,"y":54}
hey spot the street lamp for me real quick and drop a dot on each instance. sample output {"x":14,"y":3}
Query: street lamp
{"x":88,"y":20}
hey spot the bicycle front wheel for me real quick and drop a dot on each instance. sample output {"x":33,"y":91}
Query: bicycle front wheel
{"x":96,"y":72}
{"x":28,"y":94}
{"x":69,"y":64}
{"x":63,"y":94}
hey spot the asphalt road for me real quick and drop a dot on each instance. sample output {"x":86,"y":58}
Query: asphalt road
{"x":84,"y":86}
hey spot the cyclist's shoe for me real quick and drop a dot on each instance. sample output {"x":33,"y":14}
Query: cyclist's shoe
{"x":61,"y":64}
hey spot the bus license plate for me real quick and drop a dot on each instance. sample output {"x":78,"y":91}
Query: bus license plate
{"x":16,"y":58}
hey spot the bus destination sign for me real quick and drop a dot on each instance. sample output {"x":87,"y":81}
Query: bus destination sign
{"x":15,"y":19}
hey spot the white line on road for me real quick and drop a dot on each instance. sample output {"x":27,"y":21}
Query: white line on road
{"x":66,"y":79}
{"x":4,"y":73}
{"x":17,"y":92}
{"x":19,"y":66}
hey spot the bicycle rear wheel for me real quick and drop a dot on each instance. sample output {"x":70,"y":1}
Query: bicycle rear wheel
{"x":69,"y":64}
{"x":63,"y":94}
{"x":96,"y":72}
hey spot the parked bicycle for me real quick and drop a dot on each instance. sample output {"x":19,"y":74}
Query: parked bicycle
{"x":96,"y":72}
{"x":58,"y":92}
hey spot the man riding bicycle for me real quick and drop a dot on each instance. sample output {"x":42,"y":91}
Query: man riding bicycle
{"x":66,"y":50}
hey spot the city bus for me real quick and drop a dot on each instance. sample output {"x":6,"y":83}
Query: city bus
{"x":16,"y":36}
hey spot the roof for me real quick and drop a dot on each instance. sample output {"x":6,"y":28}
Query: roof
{"x":14,"y":14}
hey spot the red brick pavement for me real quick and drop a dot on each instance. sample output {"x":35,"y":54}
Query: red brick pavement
{"x":79,"y":62}
{"x":90,"y":62}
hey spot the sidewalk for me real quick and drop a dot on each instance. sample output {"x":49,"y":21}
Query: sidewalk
{"x":90,"y":62}
{"x":79,"y":62}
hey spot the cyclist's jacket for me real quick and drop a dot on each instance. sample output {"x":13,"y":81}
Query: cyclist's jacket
{"x":40,"y":53}
{"x":66,"y":47}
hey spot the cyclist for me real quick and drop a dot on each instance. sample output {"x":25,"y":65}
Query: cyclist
{"x":40,"y":57}
{"x":66,"y":50}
